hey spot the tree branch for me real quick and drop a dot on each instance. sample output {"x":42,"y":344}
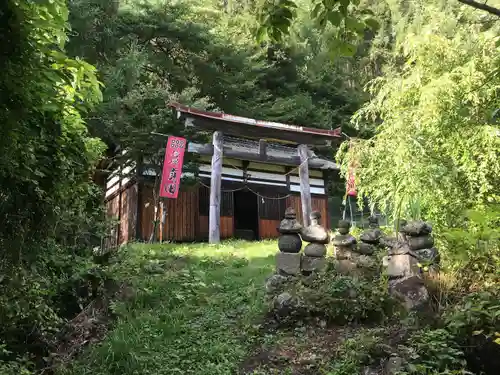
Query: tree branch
{"x":477,"y":5}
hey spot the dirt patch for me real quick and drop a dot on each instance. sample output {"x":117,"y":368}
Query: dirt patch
{"x":300,"y":352}
{"x":90,"y":326}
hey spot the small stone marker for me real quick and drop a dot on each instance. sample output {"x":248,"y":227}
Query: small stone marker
{"x":290,"y":244}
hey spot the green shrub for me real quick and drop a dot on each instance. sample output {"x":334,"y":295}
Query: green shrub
{"x":432,"y":350}
{"x":471,"y":252}
{"x":326,"y":297}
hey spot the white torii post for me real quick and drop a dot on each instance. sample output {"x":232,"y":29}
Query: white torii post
{"x":305,"y":189}
{"x":215,"y":189}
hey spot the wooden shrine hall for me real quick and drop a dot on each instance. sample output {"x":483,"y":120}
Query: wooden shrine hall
{"x":250,"y":172}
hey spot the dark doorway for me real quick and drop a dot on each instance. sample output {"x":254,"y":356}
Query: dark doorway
{"x":246,"y":215}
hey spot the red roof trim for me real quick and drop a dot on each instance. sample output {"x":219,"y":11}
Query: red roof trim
{"x":336,"y":133}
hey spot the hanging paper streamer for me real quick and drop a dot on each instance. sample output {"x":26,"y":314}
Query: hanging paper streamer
{"x":172,"y":167}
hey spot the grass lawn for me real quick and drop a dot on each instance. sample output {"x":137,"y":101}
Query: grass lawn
{"x":196,"y":310}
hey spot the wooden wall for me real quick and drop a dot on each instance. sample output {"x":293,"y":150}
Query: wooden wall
{"x":226,"y":227}
{"x":122,"y":206}
{"x":226,"y":218}
{"x":180,"y":216}
{"x":268,"y":228}
{"x":186,"y":218}
{"x":318,"y":203}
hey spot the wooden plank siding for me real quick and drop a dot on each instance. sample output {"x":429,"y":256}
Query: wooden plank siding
{"x":318,"y":203}
{"x":180,"y":219}
{"x":128,"y":212}
{"x":268,"y":228}
{"x":226,"y":227}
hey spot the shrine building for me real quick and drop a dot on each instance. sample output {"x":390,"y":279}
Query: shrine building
{"x":256,"y":169}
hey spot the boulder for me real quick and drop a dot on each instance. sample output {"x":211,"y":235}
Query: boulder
{"x":364,"y":261}
{"x":343,"y":252}
{"x":366,"y":248}
{"x":312,"y":263}
{"x":422,"y":242}
{"x":315,"y":233}
{"x":416,"y":228}
{"x":289,"y":226}
{"x":344,"y":224}
{"x":315,"y":250}
{"x":276,"y":283}
{"x":285,"y":304}
{"x":343,"y":230}
{"x":402,"y":265}
{"x":288,"y":263}
{"x":345,"y":266}
{"x":344,"y":240}
{"x":411,"y":291}
{"x":290,"y":243}
{"x":428,"y":255}
{"x":371,"y":236}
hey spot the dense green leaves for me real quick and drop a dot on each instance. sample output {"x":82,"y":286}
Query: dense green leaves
{"x":345,"y":17}
{"x":49,"y":208}
{"x":435,"y":141}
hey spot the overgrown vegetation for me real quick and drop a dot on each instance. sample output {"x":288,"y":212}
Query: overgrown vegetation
{"x":425,"y":145}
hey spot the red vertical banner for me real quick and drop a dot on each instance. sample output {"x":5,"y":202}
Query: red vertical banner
{"x":172,"y":167}
{"x":351,"y":181}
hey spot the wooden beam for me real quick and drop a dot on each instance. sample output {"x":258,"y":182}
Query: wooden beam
{"x":315,"y":163}
{"x":215,"y":189}
{"x":257,"y":132}
{"x":305,"y":189}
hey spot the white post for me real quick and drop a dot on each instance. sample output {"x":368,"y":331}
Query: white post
{"x":305,"y":189}
{"x":215,"y":189}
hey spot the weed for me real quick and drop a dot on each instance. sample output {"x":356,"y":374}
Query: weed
{"x":194,"y":312}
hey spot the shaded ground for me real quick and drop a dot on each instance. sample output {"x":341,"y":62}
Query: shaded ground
{"x":302,"y":351}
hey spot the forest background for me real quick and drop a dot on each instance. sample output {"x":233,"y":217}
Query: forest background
{"x":415,"y":82}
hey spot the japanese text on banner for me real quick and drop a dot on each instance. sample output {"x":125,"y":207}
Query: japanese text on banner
{"x":351,"y":181}
{"x":172,"y":167}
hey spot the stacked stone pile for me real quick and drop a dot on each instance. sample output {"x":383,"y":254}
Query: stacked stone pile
{"x":370,"y":239}
{"x":352,"y":257}
{"x":315,"y":252}
{"x":420,"y":240}
{"x":289,"y":244}
{"x":415,"y":245}
{"x":291,"y":263}
{"x":345,"y":245}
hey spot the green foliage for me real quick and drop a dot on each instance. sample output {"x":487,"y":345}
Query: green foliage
{"x":356,"y":352}
{"x":368,"y":299}
{"x":472,"y":250}
{"x":152,"y":53}
{"x":478,"y":314}
{"x":435,"y":140}
{"x":49,"y":209}
{"x":345,"y":18}
{"x":431,"y":351}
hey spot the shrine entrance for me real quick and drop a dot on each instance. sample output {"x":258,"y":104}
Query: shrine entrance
{"x":246,"y":215}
